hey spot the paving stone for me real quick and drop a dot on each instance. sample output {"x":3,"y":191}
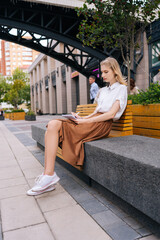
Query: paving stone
{"x":8,"y":162}
{"x":20,"y":212}
{"x":74,"y":223}
{"x":93,"y":206}
{"x":13,"y":191}
{"x":37,"y":232}
{"x":151,"y":237}
{"x":133,"y":223}
{"x":29,"y":163}
{"x":106,"y":218}
{"x":4,"y":183}
{"x":33,"y":172}
{"x":39,"y":157}
{"x":143,"y":232}
{"x":121,"y":231}
{"x":55,"y":201}
{"x":103,"y":199}
{"x":0,"y":232}
{"x":117,"y":211}
{"x":76,"y":191}
{"x":13,"y":129}
{"x":10,"y":172}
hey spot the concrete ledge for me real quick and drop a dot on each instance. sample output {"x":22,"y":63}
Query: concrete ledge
{"x":127,"y":166}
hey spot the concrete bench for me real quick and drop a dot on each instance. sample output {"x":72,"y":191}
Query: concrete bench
{"x":128,"y":166}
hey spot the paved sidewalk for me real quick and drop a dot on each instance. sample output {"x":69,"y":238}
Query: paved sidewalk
{"x":72,"y":211}
{"x":51,"y":216}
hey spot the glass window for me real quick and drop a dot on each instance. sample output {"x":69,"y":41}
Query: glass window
{"x":6,"y":45}
{"x":27,"y":58}
{"x":156,"y":54}
{"x":27,"y":53}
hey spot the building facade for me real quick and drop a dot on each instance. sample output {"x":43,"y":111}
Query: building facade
{"x":14,"y":55}
{"x":56,"y":88}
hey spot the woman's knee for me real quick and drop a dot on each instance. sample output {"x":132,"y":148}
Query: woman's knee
{"x":54,"y":125}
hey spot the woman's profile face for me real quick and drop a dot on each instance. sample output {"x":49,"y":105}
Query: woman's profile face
{"x":108,"y":74}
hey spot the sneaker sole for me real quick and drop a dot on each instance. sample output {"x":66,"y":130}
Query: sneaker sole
{"x":31,"y":193}
{"x":50,"y":184}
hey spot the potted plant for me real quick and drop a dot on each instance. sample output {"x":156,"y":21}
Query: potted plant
{"x":146,"y":111}
{"x":30,"y":116}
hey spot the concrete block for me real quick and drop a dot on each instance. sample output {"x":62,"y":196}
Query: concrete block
{"x":129,"y":167}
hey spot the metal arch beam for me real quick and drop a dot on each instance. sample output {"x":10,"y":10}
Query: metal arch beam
{"x":51,"y":26}
{"x":58,"y":56}
{"x":55,"y":36}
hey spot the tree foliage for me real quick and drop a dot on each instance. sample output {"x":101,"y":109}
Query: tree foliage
{"x":18,"y":91}
{"x":109,"y":24}
{"x":4,"y":87}
{"x":150,"y":95}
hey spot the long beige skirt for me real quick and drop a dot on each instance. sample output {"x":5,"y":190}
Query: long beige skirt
{"x":72,"y":136}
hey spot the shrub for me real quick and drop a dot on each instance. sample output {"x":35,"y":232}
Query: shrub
{"x":149,"y":96}
{"x":17,"y":110}
{"x":30,"y":113}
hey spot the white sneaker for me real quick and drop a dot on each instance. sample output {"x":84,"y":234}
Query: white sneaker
{"x":44,"y":181}
{"x":31,"y":193}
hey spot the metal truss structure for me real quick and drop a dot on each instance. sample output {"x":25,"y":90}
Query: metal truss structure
{"x":43,"y":28}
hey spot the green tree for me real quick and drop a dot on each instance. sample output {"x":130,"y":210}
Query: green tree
{"x":20,"y":74}
{"x":114,"y":24}
{"x":4,"y":87}
{"x":20,"y":89}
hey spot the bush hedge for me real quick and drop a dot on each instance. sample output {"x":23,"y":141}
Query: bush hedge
{"x":17,"y":110}
{"x":149,"y":96}
{"x":30,"y":113}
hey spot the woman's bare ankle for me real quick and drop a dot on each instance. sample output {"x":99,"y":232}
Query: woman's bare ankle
{"x":50,"y":173}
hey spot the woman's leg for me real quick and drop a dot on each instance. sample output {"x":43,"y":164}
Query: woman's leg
{"x":51,"y":145}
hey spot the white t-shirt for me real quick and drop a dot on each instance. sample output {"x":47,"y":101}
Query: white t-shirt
{"x":107,"y":96}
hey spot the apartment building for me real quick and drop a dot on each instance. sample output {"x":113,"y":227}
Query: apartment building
{"x":14,"y":55}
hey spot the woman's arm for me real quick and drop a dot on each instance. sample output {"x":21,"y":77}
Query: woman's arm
{"x":88,"y":116}
{"x":103,"y":117}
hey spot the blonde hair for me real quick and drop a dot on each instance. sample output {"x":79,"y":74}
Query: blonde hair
{"x":113,"y":64}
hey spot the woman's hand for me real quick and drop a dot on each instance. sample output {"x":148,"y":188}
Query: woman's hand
{"x":76,"y":115}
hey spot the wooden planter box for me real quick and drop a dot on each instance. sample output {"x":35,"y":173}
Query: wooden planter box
{"x":10,"y":116}
{"x":17,"y":116}
{"x":6,"y":115}
{"x":146,"y":120}
{"x":30,"y":117}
